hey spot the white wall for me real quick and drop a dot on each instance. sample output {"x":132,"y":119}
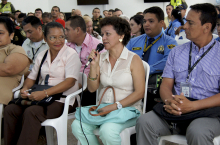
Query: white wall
{"x":129,"y":7}
{"x":30,"y":5}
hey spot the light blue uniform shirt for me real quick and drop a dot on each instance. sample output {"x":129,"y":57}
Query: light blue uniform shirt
{"x":159,"y":51}
{"x":204,"y":78}
{"x":218,"y":39}
{"x":171,"y":31}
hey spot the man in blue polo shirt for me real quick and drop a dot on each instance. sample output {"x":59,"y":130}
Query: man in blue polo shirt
{"x":154,"y":46}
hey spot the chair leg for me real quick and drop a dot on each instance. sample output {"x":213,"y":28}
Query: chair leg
{"x":49,"y":135}
{"x":1,"y":111}
{"x":78,"y":142}
{"x":61,"y":136}
{"x":125,"y":137}
{"x":161,"y":142}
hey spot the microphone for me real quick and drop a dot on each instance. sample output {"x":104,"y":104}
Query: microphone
{"x":99,"y":48}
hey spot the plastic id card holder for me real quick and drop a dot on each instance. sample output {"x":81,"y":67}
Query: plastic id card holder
{"x":31,"y":66}
{"x":186,"y":88}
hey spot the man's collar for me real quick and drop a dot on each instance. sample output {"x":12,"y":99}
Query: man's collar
{"x":85,"y":42}
{"x":124,"y":55}
{"x":205,"y":47}
{"x":32,"y":43}
{"x":156,"y":36}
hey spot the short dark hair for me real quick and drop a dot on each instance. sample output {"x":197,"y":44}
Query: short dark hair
{"x":7,"y":22}
{"x":117,"y":9}
{"x":170,"y":5}
{"x":95,"y":9}
{"x":34,"y":21}
{"x":157,"y":11}
{"x":17,"y":11}
{"x":77,"y":21}
{"x":52,"y":25}
{"x":121,"y":26}
{"x":22,"y":15}
{"x":39,"y":9}
{"x":46,"y":15}
{"x":105,"y":10}
{"x":111,"y":10}
{"x":139,"y":20}
{"x":56,"y":7}
{"x":208,"y":13}
{"x":9,"y":15}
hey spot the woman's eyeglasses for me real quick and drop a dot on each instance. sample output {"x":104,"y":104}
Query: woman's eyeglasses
{"x":53,"y":38}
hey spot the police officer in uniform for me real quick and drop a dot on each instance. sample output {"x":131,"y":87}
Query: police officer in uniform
{"x":6,"y":7}
{"x":176,"y":3}
{"x":154,"y":46}
{"x":19,"y":36}
{"x":96,"y":18}
{"x":176,"y":22}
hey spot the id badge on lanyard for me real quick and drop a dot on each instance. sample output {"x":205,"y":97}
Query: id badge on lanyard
{"x":31,"y":66}
{"x":186,"y":88}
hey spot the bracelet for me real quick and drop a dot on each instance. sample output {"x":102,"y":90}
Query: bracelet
{"x":93,"y":79}
{"x":46,"y":93}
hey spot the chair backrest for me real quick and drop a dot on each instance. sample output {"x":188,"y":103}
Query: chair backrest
{"x":82,"y":78}
{"x":215,"y":36}
{"x":20,"y":85}
{"x":147,"y":72}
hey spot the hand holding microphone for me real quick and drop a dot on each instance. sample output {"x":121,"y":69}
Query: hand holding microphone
{"x":93,"y":53}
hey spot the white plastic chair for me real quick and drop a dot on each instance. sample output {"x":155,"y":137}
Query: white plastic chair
{"x":2,"y":105}
{"x":181,"y":139}
{"x":215,"y":36}
{"x":126,"y":133}
{"x":60,"y":123}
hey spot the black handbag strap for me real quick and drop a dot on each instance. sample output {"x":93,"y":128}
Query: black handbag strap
{"x":42,"y":61}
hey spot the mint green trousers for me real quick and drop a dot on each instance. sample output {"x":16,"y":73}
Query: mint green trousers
{"x":109,"y":132}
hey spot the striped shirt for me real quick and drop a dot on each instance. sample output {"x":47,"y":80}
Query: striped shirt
{"x":205,"y":77}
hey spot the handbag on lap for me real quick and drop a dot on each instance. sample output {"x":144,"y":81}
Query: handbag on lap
{"x":44,"y":102}
{"x":90,"y":115}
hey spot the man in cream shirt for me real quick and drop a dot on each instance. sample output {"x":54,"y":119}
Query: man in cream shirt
{"x":34,"y":43}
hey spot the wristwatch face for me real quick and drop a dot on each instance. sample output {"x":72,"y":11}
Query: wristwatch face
{"x":119,"y":106}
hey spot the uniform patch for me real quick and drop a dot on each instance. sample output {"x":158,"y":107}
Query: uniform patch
{"x":16,"y":38}
{"x":160,"y":49}
{"x":175,"y":28}
{"x":171,"y":46}
{"x":136,"y":48}
{"x":23,"y":33}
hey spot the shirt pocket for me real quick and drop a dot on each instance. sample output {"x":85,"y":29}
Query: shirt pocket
{"x":59,"y":70}
{"x":209,"y":78}
{"x":180,"y":73}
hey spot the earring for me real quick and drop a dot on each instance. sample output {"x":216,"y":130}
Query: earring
{"x":120,"y":40}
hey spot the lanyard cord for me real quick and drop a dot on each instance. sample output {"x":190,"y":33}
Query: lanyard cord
{"x":149,"y":46}
{"x":34,"y":53}
{"x":190,"y":69}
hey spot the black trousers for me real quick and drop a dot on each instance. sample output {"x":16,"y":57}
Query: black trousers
{"x":23,"y":124}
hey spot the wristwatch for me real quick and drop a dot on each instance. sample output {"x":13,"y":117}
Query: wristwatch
{"x":119,"y":106}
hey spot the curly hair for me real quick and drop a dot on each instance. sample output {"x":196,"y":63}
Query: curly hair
{"x":121,"y":26}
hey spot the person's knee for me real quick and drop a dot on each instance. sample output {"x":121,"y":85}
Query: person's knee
{"x":195,"y":133}
{"x":30,"y":111}
{"x":145,"y":120}
{"x":76,"y":129}
{"x":108,"y":133}
{"x":11,"y":109}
